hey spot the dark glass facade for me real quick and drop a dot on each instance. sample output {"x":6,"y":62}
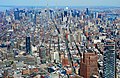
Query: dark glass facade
{"x":109,"y":60}
{"x":28,"y":45}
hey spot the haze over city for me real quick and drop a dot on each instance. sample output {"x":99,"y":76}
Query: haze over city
{"x":59,"y":38}
{"x":61,"y":2}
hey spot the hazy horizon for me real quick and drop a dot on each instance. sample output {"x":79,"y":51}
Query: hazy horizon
{"x":115,"y":3}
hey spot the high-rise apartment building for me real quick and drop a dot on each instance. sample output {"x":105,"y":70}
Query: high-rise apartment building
{"x":88,"y":65}
{"x":109,"y":59}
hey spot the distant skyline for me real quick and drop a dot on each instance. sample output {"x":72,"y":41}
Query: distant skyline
{"x":60,"y":2}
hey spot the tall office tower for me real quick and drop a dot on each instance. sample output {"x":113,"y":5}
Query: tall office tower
{"x":7,"y":13}
{"x":42,"y":54}
{"x":109,"y":59}
{"x":62,"y":16}
{"x":73,"y":14}
{"x":34,"y":19}
{"x":87,"y":11}
{"x":99,"y":16}
{"x":16,"y":14}
{"x":88,"y":65}
{"x":92,"y":15}
{"x":78,"y":13}
{"x":28,"y":45}
{"x":51,"y":12}
{"x":96,"y":15}
{"x":65,"y":13}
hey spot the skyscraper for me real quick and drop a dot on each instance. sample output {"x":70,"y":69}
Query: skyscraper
{"x":28,"y":45}
{"x":88,"y":65}
{"x":109,"y":59}
{"x":16,"y":14}
{"x":42,"y":54}
{"x":34,"y":20}
{"x":87,"y":11}
{"x":65,"y":13}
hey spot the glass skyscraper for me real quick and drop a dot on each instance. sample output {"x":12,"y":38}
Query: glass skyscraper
{"x":109,"y":59}
{"x":28,"y":45}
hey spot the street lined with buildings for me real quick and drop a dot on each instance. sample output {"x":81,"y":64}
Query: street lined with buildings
{"x":60,"y":43}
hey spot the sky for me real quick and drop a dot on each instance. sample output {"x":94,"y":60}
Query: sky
{"x":61,"y":2}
